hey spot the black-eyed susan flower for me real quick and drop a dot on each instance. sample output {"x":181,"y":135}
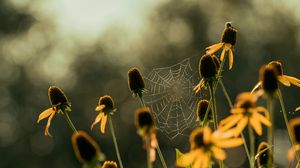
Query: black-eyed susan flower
{"x":147,"y":130}
{"x":109,"y":164}
{"x":59,"y":104}
{"x":246,"y":112}
{"x":135,"y":81}
{"x":208,"y":69}
{"x":264,"y":153}
{"x":105,"y":107}
{"x":295,"y":129}
{"x":206,"y":144}
{"x":227,"y":43}
{"x":201,"y":109}
{"x":86,"y":149}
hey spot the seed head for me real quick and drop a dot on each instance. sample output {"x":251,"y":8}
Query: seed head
{"x":108,"y":102}
{"x":216,"y":61}
{"x":85,"y":148}
{"x":135,"y":81}
{"x":109,"y":164}
{"x":57,"y":96}
{"x":295,"y":126}
{"x":201,"y":110}
{"x":144,"y":121}
{"x":207,"y":67}
{"x":197,"y":138}
{"x":229,"y":34}
{"x":278,"y":66}
{"x":268,"y":76}
{"x":264,"y":152}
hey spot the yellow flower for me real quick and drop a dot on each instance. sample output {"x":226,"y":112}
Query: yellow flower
{"x":109,"y":164}
{"x":147,"y":130}
{"x":227,"y":43}
{"x":86,"y":149}
{"x":295,"y":127}
{"x":264,"y":153}
{"x":298,"y":108}
{"x":265,"y":76}
{"x":105,"y":107}
{"x":59,"y":104}
{"x":246,"y":112}
{"x":204,"y":145}
{"x":208,"y":69}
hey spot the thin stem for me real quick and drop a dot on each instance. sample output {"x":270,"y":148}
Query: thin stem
{"x":115,"y":140}
{"x":141,"y":100}
{"x":212,"y":95}
{"x":204,"y":122}
{"x":226,"y":94}
{"x":286,"y":121}
{"x":270,"y":129}
{"x":70,"y":121}
{"x":161,"y":157}
{"x":149,"y":164}
{"x":252,"y":145}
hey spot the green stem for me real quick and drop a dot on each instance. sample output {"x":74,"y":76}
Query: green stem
{"x":70,"y":121}
{"x":270,"y":129}
{"x":141,"y":100}
{"x":204,"y":122}
{"x":161,"y":156}
{"x":214,"y":115}
{"x":252,"y":145}
{"x":286,"y":121}
{"x":149,"y":164}
{"x":115,"y":140}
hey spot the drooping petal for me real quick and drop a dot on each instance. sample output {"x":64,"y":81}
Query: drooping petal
{"x":103,"y":124}
{"x":99,"y":108}
{"x":222,"y":55}
{"x":233,"y":120}
{"x":198,"y":162}
{"x":230,"y":58}
{"x":256,"y":125}
{"x":98,"y":119}
{"x":237,"y":110}
{"x":206,"y":134}
{"x":187,"y":159}
{"x":46,"y":113}
{"x":229,"y":143}
{"x":256,"y":87}
{"x":205,"y":161}
{"x":199,"y":86}
{"x":241,"y":125}
{"x":48,"y":124}
{"x":284,"y":80}
{"x":214,"y":48}
{"x":297,"y":109}
{"x":218,"y":153}
{"x":264,"y":110}
{"x":152,"y":154}
{"x":263,"y":119}
{"x":293,"y":80}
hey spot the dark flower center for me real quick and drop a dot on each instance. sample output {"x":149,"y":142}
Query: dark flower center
{"x":57,"y":96}
{"x":229,"y":35}
{"x":135,"y":81}
{"x":108,"y":102}
{"x":198,"y":139}
{"x":269,"y":79}
{"x":86,"y":149}
{"x":201,"y":110}
{"x":207,"y":67}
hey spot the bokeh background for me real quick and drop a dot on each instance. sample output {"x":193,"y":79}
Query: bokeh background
{"x":86,"y":48}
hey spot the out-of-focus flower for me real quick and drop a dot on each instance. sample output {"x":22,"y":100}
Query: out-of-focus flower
{"x":59,"y":104}
{"x":201,"y":109}
{"x":264,"y":153}
{"x":295,"y":127}
{"x":109,"y":164}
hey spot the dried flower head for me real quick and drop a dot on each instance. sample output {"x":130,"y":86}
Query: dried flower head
{"x":59,"y":104}
{"x":105,"y":107}
{"x":201,"y":109}
{"x":216,"y":61}
{"x":109,"y":164}
{"x":207,"y":67}
{"x":268,"y":77}
{"x":204,"y":145}
{"x":135,"y":81}
{"x":144,"y":121}
{"x":263,"y":155}
{"x":227,"y":42}
{"x":85,"y":148}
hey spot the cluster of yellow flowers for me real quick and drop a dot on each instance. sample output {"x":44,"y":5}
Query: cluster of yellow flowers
{"x":208,"y":141}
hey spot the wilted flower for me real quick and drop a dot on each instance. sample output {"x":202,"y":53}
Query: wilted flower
{"x":201,"y":109}
{"x":146,"y":129}
{"x":227,"y":43}
{"x":208,"y":68}
{"x":86,"y":149}
{"x":246,"y":112}
{"x":59,"y":104}
{"x":204,"y":145}
{"x":135,"y":81}
{"x":105,"y":107}
{"x":109,"y":164}
{"x":264,"y":153}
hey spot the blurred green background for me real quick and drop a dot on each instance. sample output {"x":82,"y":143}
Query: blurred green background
{"x":86,"y":48}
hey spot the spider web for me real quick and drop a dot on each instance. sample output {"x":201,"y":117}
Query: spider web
{"x":172,"y":99}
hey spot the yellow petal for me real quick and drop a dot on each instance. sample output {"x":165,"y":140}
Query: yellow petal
{"x":262,"y":119}
{"x":187,"y":159}
{"x":222,"y":55}
{"x":230,"y":58}
{"x":198,"y":162}
{"x":256,"y":87}
{"x":237,"y":110}
{"x":152,"y":154}
{"x":232,"y":120}
{"x":214,"y":48}
{"x":298,"y":108}
{"x":218,"y":153}
{"x":293,"y":80}
{"x":103,"y":124}
{"x":206,"y":134}
{"x":256,"y":125}
{"x":45,"y":114}
{"x":241,"y":125}
{"x":206,"y":161}
{"x":98,"y":119}
{"x":229,"y":143}
{"x":48,"y":124}
{"x":284,"y":80}
{"x":99,"y":108}
{"x":262,"y":109}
